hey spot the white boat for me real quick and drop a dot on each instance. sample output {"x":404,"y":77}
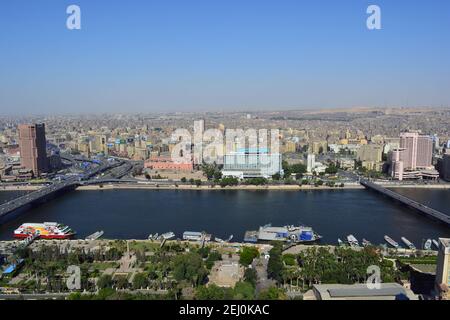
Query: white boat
{"x":95,"y":235}
{"x":408,"y":243}
{"x":295,"y":234}
{"x":391,"y":242}
{"x":366,"y":243}
{"x":340,"y":242}
{"x":229,"y":238}
{"x":436,"y":243}
{"x":196,"y":236}
{"x":352,"y":241}
{"x":167,"y":235}
{"x":427,"y":244}
{"x":218,"y":240}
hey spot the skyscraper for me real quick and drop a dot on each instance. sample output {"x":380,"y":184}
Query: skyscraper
{"x":415,"y":153}
{"x":32,"y":143}
{"x":418,"y":150}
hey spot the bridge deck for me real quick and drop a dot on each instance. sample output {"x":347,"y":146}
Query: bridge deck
{"x":407,"y":201}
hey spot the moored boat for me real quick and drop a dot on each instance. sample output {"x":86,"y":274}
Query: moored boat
{"x":427,"y":244}
{"x":167,"y":236}
{"x":392,"y":242}
{"x":95,"y":235}
{"x":196,"y":236}
{"x":340,"y":242}
{"x":366,"y":243}
{"x":46,"y":230}
{"x":408,"y":243}
{"x":295,"y":234}
{"x":352,"y":241}
{"x":436,"y":243}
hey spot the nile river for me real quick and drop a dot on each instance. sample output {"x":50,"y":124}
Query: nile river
{"x":134,"y":214}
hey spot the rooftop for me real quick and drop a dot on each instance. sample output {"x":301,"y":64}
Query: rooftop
{"x":387,"y":291}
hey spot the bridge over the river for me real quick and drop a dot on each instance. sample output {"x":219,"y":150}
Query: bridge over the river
{"x":427,"y":211}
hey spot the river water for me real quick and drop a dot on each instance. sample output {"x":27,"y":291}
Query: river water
{"x":134,"y":214}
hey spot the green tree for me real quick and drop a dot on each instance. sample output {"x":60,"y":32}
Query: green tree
{"x":273,"y":293}
{"x":189,"y":267}
{"x":244,"y":291}
{"x":247,"y":255}
{"x":213,"y":292}
{"x":332,"y":169}
{"x":140,"y":280}
{"x":250,"y":276}
{"x":122,"y":282}
{"x":275,"y":264}
{"x":105,"y":281}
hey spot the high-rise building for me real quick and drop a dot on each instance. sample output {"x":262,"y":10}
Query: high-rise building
{"x":443,"y":268}
{"x":32,"y":143}
{"x":418,"y":150}
{"x":414,"y":157}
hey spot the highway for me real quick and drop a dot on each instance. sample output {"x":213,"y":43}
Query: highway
{"x":117,"y":170}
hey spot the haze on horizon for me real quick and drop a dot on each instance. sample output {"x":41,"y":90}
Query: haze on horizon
{"x":186,"y":56}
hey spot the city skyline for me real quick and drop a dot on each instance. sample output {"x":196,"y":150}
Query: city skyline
{"x":155,"y":57}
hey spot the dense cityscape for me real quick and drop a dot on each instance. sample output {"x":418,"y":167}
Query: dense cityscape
{"x":224,"y":159}
{"x":378,"y":149}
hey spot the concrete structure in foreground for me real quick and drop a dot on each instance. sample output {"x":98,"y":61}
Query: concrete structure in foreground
{"x":32,"y":143}
{"x":387,"y":291}
{"x":443,"y":269}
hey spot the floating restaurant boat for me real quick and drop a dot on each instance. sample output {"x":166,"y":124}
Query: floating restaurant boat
{"x":46,"y":230}
{"x":352,"y":241}
{"x":196,"y":236}
{"x":391,"y":242}
{"x":408,"y":243}
{"x":366,"y":243}
{"x":301,"y":234}
{"x":436,"y":243}
{"x":427,"y":244}
{"x":95,"y":235}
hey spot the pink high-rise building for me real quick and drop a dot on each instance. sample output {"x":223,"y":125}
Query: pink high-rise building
{"x":415,"y":152}
{"x":32,"y":144}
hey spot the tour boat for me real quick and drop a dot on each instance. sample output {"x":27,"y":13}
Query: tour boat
{"x":293,"y":234}
{"x":46,"y":230}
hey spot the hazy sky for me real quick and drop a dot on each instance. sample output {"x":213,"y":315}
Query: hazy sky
{"x":192,"y":55}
